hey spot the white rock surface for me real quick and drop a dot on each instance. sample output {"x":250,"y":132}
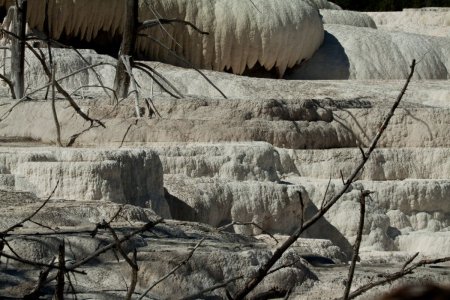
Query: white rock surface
{"x":283,"y":123}
{"x":121,"y":176}
{"x":275,"y":34}
{"x":324,"y":4}
{"x":191,"y":83}
{"x":347,"y":17}
{"x":395,"y":208}
{"x":350,"y":52}
{"x":272,"y":206}
{"x":385,"y":163}
{"x":428,"y":21}
{"x":435,"y":244}
{"x":228,"y":161}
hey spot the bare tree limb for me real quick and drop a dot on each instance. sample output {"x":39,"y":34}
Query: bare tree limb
{"x":397,"y":275}
{"x":159,"y":22}
{"x":248,"y":224}
{"x":38,"y":265}
{"x":351,"y":271}
{"x":55,"y":115}
{"x":173,"y":270}
{"x":35,"y":293}
{"x":149,"y":70}
{"x":131,"y":263}
{"x":212,"y":288}
{"x":410,"y":260}
{"x":262,"y":272}
{"x":10,"y":85}
{"x":126,"y":60}
{"x":5,"y":233}
{"x":59,"y":292}
{"x":126,"y":132}
{"x":79,"y":263}
{"x":60,"y":89}
{"x":183,"y":60}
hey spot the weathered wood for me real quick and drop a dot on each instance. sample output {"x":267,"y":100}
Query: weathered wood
{"x":55,"y":115}
{"x":18,"y":48}
{"x":122,"y":79}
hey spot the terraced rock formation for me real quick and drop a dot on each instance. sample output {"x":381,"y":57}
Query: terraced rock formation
{"x":238,"y":174}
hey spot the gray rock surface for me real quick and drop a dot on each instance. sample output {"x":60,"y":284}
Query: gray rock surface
{"x":159,"y":251}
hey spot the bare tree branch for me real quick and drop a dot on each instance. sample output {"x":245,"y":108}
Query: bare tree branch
{"x":212,"y":288}
{"x":149,"y":70}
{"x":79,"y":263}
{"x":10,"y":85}
{"x":5,"y":233}
{"x":351,"y":271}
{"x":59,"y":292}
{"x":248,"y":224}
{"x":159,"y":22}
{"x":127,"y":63}
{"x":35,"y":293}
{"x":183,"y":60}
{"x":55,"y":115}
{"x":397,"y":275}
{"x":262,"y":272}
{"x":173,"y":270}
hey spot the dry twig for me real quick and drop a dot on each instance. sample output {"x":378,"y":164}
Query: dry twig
{"x":173,"y":270}
{"x":247,"y":224}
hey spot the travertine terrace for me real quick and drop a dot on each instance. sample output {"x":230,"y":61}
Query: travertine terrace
{"x":269,"y":154}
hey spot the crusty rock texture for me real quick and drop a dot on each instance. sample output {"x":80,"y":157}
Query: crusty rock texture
{"x":121,"y":176}
{"x":159,"y":251}
{"x":350,"y":52}
{"x":434,"y":21}
{"x":241,"y":33}
{"x":256,"y":164}
{"x":347,"y":17}
{"x":324,"y":4}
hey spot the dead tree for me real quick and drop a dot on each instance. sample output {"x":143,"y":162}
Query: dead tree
{"x":122,"y":79}
{"x":18,"y":48}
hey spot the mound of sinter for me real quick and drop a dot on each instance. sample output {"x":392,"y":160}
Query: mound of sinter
{"x":271,"y":33}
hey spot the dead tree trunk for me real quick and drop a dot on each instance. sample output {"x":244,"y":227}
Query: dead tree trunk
{"x":18,"y":49}
{"x":122,"y":79}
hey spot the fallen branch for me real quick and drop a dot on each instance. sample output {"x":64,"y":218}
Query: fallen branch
{"x":152,"y":23}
